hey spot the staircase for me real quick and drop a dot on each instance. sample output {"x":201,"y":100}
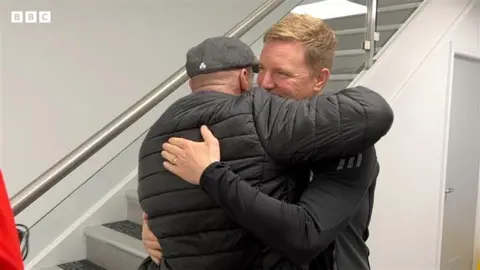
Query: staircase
{"x":118,"y":246}
{"x":350,"y":33}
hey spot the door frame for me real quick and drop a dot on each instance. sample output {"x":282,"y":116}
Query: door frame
{"x":453,"y":53}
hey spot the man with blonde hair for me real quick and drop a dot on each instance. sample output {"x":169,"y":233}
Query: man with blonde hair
{"x":297,"y":57}
{"x":324,"y":222}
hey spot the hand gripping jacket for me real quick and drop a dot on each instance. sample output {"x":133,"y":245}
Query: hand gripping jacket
{"x":262,"y":137}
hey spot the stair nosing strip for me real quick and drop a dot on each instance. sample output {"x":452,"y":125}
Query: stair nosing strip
{"x":342,"y":77}
{"x":350,"y":52}
{"x":399,"y":7}
{"x":76,"y":262}
{"x":361,"y":30}
{"x":353,"y":52}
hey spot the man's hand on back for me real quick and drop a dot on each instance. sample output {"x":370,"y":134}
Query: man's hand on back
{"x":151,"y":242}
{"x":188,"y":159}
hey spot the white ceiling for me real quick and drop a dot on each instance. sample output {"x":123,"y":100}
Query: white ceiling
{"x":329,"y":9}
{"x":306,"y":2}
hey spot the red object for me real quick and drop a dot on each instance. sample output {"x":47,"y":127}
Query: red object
{"x":10,"y":255}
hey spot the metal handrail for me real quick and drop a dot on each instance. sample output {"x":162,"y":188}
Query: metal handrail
{"x":370,"y":43}
{"x":371,"y":33}
{"x":71,"y":161}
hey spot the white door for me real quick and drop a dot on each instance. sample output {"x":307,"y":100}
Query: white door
{"x":463,"y":163}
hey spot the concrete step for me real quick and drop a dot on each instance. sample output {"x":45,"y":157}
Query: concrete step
{"x":338,"y":82}
{"x":389,"y":15}
{"x":48,"y":268}
{"x":387,"y":3}
{"x":342,"y":77}
{"x":78,"y":265}
{"x":381,"y":3}
{"x":349,"y":61}
{"x":134,"y":212}
{"x":353,"y":38}
{"x":115,"y":245}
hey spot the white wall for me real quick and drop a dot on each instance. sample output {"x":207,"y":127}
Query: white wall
{"x":406,"y":226}
{"x":65,"y":80}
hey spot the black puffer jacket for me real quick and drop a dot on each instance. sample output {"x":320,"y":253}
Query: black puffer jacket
{"x":260,"y":135}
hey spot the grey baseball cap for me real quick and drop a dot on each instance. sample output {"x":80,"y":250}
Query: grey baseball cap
{"x":219,"y":54}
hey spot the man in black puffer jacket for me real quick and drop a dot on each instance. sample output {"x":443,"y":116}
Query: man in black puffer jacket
{"x":259,"y":133}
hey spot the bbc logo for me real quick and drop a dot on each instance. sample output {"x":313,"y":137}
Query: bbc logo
{"x":31,"y":17}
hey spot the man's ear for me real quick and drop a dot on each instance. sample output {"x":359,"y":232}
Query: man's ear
{"x":190,"y":83}
{"x":244,"y":80}
{"x":322,"y":78}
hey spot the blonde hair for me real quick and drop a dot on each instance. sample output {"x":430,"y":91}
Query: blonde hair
{"x":317,"y":37}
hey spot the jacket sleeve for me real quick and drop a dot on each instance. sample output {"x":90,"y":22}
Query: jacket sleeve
{"x":324,"y":126}
{"x":297,"y":231}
